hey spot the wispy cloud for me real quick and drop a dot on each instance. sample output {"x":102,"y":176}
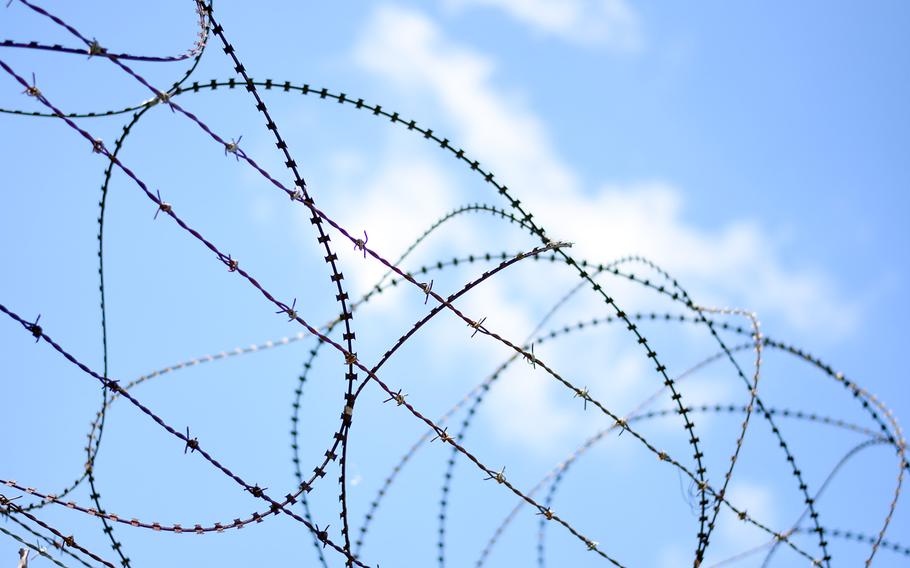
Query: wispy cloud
{"x":609,"y":23}
{"x":732,"y":261}
{"x":758,"y":501}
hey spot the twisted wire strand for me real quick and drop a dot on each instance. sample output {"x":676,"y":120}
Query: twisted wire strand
{"x":40,"y":550}
{"x":195,"y":54}
{"x":36,"y":547}
{"x":166,"y":208}
{"x":94,"y":48}
{"x":318,"y":216}
{"x":890,"y":430}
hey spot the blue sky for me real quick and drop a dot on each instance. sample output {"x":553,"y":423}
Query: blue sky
{"x":756,"y":151}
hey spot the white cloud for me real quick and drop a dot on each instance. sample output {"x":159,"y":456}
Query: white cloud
{"x":735,"y":262}
{"x":738,"y":262}
{"x":758,"y":502}
{"x":609,"y":23}
{"x":365,"y":198}
{"x":407,"y":48}
{"x":521,"y":408}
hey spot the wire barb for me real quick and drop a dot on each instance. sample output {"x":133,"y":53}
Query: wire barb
{"x":530,"y":358}
{"x":443,"y":435}
{"x":290,"y":311}
{"x":397,"y":397}
{"x":477,"y":326}
{"x":32,"y":90}
{"x":427,"y":288}
{"x":256,"y":491}
{"x":163,"y":97}
{"x":94,"y":48}
{"x":35,"y":329}
{"x":584,"y":395}
{"x":361,"y":244}
{"x":233,"y":147}
{"x":499,"y":476}
{"x":162,"y":206}
{"x":192,"y":444}
{"x":322,"y":534}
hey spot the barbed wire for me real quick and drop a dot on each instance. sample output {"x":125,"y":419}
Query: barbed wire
{"x":711,"y":496}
